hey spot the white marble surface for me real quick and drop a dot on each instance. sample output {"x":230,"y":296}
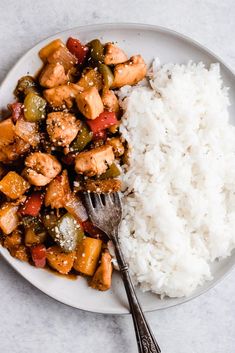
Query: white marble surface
{"x":29,"y":320}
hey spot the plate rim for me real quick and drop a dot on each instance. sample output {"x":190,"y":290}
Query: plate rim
{"x":137,"y":26}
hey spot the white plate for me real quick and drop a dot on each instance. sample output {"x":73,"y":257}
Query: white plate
{"x":149,"y":41}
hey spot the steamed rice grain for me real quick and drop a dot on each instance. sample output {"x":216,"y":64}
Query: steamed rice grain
{"x":179,"y":190}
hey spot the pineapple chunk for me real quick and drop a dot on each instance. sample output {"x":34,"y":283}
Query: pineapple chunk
{"x":13,"y":185}
{"x":50,"y":48}
{"x":59,"y":260}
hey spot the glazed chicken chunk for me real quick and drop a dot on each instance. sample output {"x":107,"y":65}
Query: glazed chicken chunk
{"x":130,"y":72}
{"x":41,"y":168}
{"x":95,"y":161}
{"x":114,"y":55}
{"x":90,"y":103}
{"x":53,"y":75}
{"x":102,"y":277}
{"x":62,"y":96}
{"x":58,"y":191}
{"x":62,"y":128}
{"x":110,"y":101}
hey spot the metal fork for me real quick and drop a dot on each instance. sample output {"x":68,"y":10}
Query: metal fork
{"x":105,"y":212}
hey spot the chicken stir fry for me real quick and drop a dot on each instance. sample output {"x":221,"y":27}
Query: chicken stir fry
{"x":61,"y":138}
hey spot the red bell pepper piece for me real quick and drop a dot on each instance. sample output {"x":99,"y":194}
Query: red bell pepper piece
{"x":102,"y":122}
{"x":38,"y":254}
{"x":32,"y":205}
{"x":16,"y":110}
{"x":77,"y":49}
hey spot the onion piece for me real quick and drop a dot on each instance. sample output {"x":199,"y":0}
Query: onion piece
{"x":75,"y":207}
{"x":64,"y":57}
{"x":27,"y":131}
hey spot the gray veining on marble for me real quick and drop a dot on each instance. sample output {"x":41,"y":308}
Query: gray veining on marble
{"x":29,"y":320}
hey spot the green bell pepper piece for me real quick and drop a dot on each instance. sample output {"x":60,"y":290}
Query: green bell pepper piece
{"x":107,"y":75}
{"x":84,"y":136}
{"x":96,"y":51}
{"x":25,"y":85}
{"x":112,"y":172}
{"x":34,"y":107}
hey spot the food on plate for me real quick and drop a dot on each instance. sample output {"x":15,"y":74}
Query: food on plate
{"x":82,"y":124}
{"x":60,"y":138}
{"x":62,"y":128}
{"x":130,"y":72}
{"x":13,"y":185}
{"x":89,"y":102}
{"x":41,"y":168}
{"x":59,"y":260}
{"x":103,"y":275}
{"x":87,"y":255}
{"x":94,"y":162}
{"x":179,"y":189}
{"x":114,"y":55}
{"x":9,"y":219}
{"x":62,"y":96}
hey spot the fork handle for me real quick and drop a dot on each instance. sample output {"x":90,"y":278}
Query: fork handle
{"x":145,"y":339}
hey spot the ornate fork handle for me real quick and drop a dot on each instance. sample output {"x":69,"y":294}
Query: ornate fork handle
{"x":145,"y":338}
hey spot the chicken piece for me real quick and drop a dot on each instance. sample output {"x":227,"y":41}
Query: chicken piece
{"x":114,"y":55}
{"x":13,"y":151}
{"x":90,"y":103}
{"x":58,"y":191}
{"x":130,"y":72}
{"x":41,"y":168}
{"x":53,"y":75}
{"x":59,"y":260}
{"x":9,"y":219}
{"x":35,"y":178}
{"x":90,"y":78}
{"x":103,"y":275}
{"x":62,"y":128}
{"x":117,"y":145}
{"x":105,"y":186}
{"x":95,"y":161}
{"x":62,"y":56}
{"x":110,"y":101}
{"x":61,"y":96}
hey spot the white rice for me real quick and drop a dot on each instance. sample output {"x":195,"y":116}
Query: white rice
{"x":179,"y":200}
